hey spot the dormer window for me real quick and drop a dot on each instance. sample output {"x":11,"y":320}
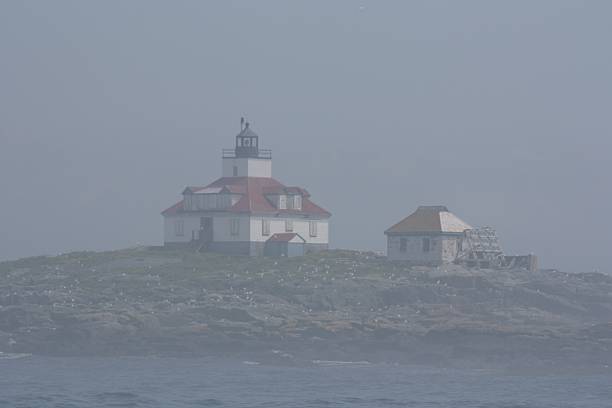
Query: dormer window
{"x":188,"y":202}
{"x":294,"y":202}
{"x":282,"y":202}
{"x":286,"y":199}
{"x":210,"y":198}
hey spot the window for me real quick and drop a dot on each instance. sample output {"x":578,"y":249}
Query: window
{"x":426,"y":244}
{"x":234,"y":227}
{"x":312,"y":228}
{"x":188,"y":202}
{"x":265,"y":227}
{"x":199,"y":201}
{"x":179,"y":228}
{"x":227,"y":200}
{"x":297,"y":202}
{"x":290,"y":202}
{"x":282,"y":202}
{"x":403,"y":244}
{"x":288,"y":225}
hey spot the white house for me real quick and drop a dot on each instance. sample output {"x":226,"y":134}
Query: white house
{"x":429,"y":236}
{"x":240,"y":212}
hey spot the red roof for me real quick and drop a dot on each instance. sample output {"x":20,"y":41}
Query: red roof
{"x":174,"y":209}
{"x":253,"y":200}
{"x":285,"y":190}
{"x":285,"y":237}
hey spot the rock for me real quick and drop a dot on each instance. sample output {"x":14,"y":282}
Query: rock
{"x":345,"y":305}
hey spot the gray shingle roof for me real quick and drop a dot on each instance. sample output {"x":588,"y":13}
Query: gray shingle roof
{"x":428,"y":219}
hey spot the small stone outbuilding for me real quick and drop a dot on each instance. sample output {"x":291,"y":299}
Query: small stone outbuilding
{"x":431,"y":235}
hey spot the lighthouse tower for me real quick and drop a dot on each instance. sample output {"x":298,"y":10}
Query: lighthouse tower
{"x":246,"y":159}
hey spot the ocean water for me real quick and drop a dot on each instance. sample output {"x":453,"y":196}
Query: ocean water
{"x":168,"y":382}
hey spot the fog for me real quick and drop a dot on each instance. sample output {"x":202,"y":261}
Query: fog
{"x":498,"y":110}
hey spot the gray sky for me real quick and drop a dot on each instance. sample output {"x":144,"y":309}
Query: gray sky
{"x":499,"y":110}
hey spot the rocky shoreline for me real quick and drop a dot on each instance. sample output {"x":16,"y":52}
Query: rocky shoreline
{"x":336,"y":306}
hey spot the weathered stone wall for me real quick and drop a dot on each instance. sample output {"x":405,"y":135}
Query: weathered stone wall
{"x":442,"y":249}
{"x":450,"y":246}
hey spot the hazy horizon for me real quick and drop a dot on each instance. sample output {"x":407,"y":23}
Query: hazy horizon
{"x":498,"y":110}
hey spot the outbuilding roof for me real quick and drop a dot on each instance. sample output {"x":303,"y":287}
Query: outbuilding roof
{"x":430,"y":219}
{"x":286,"y":237}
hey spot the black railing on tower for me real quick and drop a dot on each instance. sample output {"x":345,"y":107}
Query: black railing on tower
{"x":259,"y":154}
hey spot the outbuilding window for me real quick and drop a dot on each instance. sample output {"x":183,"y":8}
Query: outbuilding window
{"x":288,"y":225}
{"x":403,"y":244}
{"x":426,"y":244}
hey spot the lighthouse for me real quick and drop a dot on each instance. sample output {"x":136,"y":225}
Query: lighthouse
{"x":247,"y":211}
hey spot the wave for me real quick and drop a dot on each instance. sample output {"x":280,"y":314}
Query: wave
{"x":13,"y":356}
{"x":340,"y":363}
{"x":211,"y":402}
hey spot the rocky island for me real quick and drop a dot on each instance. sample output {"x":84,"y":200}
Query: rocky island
{"x":334,"y":305}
